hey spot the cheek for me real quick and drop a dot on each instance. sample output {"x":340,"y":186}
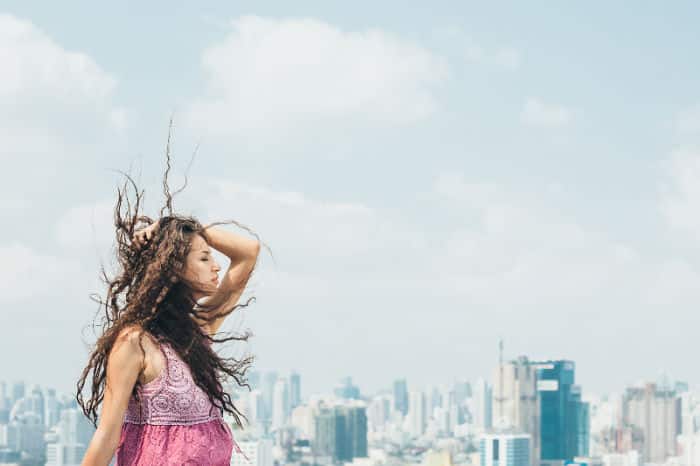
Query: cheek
{"x":195,"y":270}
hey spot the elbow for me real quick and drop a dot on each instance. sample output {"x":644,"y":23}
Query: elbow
{"x":101,"y":449}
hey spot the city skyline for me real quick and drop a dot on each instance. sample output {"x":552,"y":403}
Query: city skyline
{"x":537,"y":413}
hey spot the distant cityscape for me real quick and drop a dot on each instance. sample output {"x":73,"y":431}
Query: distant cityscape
{"x":525,"y":413}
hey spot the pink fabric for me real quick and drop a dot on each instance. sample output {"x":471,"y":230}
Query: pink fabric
{"x":204,"y":444}
{"x":174,"y":423}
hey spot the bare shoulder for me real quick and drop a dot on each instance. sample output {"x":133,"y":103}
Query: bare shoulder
{"x":131,"y":334}
{"x":129,"y":340}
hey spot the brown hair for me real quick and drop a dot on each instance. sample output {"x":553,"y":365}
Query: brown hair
{"x":150,"y":293}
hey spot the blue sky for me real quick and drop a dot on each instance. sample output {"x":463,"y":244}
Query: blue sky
{"x":430,"y":177}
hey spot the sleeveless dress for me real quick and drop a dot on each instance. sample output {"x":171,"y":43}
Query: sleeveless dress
{"x":174,"y":423}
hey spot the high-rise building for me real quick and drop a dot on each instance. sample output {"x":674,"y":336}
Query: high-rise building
{"x":280,"y":404}
{"x":564,"y":423}
{"x":52,"y":408}
{"x":302,"y":419}
{"x":4,"y":400}
{"x":35,"y":402}
{"x":325,"y":433}
{"x":356,"y":430}
{"x":254,"y":379}
{"x":449,"y":409}
{"x":341,"y":432}
{"x":347,"y":390}
{"x":401,"y":396}
{"x":74,"y":427}
{"x":463,"y":390}
{"x":29,"y":434}
{"x":433,"y":398}
{"x":656,"y":411}
{"x":259,"y":452}
{"x":378,"y":411}
{"x":690,"y":448}
{"x":417,"y":413}
{"x":294,"y":390}
{"x":515,"y":400}
{"x":267,"y":385}
{"x":59,"y":454}
{"x":17,"y":392}
{"x":255,"y":407}
{"x":689,"y":420}
{"x":482,"y":397}
{"x":11,"y":457}
{"x":504,"y":449}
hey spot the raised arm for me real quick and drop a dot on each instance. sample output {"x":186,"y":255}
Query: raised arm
{"x":243,"y":254}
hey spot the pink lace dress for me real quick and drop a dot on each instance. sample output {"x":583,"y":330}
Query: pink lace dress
{"x":175,"y":423}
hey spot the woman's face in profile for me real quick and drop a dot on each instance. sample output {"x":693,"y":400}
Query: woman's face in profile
{"x":201,"y":267}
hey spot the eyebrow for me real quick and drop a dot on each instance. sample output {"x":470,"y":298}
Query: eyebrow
{"x":205,"y":251}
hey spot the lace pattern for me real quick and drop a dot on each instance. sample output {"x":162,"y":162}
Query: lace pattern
{"x":172,"y":398}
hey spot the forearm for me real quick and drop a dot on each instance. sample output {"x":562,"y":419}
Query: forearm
{"x":236,"y":247}
{"x":101,"y":449}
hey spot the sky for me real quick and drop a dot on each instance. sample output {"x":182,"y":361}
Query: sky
{"x":430,"y":178}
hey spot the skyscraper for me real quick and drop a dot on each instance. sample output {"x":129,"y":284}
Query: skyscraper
{"x":280,"y":404}
{"x":256,"y":407}
{"x":346,"y":389}
{"x":341,"y":432}
{"x":325,"y":433}
{"x":504,"y":449}
{"x":482,"y":396}
{"x":401,"y":396}
{"x":656,"y":411}
{"x":417,"y":415}
{"x":258,"y":451}
{"x":267,"y":384}
{"x":294,"y":390}
{"x":356,"y":430}
{"x":564,"y":421}
{"x":515,"y":400}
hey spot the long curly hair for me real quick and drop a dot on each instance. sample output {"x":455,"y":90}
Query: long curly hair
{"x":150,"y":293}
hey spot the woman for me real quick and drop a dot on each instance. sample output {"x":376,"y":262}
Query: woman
{"x":154,"y":368}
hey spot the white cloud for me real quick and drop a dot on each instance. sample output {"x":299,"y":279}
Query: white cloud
{"x":455,"y":38}
{"x":26,"y":273}
{"x":507,"y":57}
{"x":513,"y":249}
{"x":680,"y":202}
{"x":56,"y":106}
{"x":305,"y":229}
{"x":40,"y":76}
{"x":688,"y":121}
{"x":541,"y":114}
{"x":86,"y":226}
{"x":270,"y":73}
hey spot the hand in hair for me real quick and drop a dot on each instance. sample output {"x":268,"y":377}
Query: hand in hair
{"x":144,"y":235}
